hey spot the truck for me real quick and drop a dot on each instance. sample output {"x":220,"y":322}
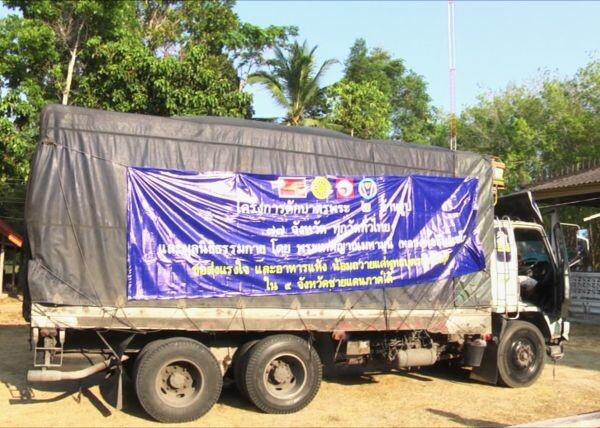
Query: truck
{"x":184,"y":251}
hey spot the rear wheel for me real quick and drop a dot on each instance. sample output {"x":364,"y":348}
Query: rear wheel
{"x":178,"y":380}
{"x":240,"y":360}
{"x":140,"y":356}
{"x":521,"y":355}
{"x":283,"y":374}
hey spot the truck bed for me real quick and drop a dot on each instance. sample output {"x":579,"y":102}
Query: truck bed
{"x":76,"y":216}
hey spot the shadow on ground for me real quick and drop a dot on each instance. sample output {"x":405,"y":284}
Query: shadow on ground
{"x":464,"y":421}
{"x":356,"y":375}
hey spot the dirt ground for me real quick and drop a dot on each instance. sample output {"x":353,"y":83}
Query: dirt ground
{"x":438,"y":396}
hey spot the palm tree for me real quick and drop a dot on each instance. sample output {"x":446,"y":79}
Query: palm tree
{"x":292,"y":80}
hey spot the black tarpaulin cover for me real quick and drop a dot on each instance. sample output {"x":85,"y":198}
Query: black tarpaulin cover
{"x":76,"y":210}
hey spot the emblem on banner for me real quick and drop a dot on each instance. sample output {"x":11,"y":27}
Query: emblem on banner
{"x":367,"y":188}
{"x":321,"y":187}
{"x":292,"y":187}
{"x":344,"y":188}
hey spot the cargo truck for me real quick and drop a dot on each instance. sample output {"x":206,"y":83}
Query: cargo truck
{"x":185,"y":250}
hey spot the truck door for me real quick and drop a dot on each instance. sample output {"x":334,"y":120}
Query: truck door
{"x":537,"y":269}
{"x":562,"y":297}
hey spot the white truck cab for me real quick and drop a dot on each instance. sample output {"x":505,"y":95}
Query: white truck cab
{"x":530,"y":293}
{"x":529,"y":267}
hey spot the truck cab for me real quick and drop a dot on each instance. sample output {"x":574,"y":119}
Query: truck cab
{"x":529,"y":265}
{"x":526,"y":271}
{"x":530,"y":293}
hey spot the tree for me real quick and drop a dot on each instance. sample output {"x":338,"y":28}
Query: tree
{"x":127,"y":77}
{"x":72,"y":24}
{"x":361,"y":109}
{"x":40,"y":53}
{"x":410,"y":113}
{"x":168,"y":57}
{"x":501,"y":125}
{"x":191,"y":58}
{"x":294,"y":80}
{"x":537,"y":130}
{"x":169,"y":26}
{"x":251,"y":43}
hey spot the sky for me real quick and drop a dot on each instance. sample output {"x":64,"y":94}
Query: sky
{"x":497,"y":43}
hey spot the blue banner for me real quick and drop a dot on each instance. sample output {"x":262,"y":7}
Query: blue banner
{"x":224,"y":234}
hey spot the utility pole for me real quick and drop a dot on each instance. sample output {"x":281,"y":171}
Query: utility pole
{"x":452,"y":75}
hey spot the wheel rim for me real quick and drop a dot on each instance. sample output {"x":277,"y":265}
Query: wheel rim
{"x":285,"y":376}
{"x":524,"y":358}
{"x":179,"y":382}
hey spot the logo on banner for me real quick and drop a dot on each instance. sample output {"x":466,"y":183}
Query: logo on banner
{"x":344,"y":188}
{"x":292,"y":187}
{"x":367,"y":188}
{"x":321,"y":187}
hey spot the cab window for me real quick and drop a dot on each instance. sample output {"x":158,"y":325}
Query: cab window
{"x":535,"y":269}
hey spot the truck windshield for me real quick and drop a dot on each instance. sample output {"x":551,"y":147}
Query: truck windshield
{"x":530,"y":245}
{"x":532,"y":250}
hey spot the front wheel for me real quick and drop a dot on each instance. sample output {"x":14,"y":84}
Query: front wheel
{"x":521,"y":355}
{"x":177,"y":380}
{"x":282,"y":374}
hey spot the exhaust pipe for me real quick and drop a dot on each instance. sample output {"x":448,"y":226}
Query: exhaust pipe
{"x":57,"y":375}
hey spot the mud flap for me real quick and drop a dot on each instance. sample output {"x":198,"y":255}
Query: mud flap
{"x":118,"y":357}
{"x":488,"y":370}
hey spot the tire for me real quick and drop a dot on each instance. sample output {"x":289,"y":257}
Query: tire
{"x":177,"y":380}
{"x":136,"y":364}
{"x":282,"y":374}
{"x":521,"y":355}
{"x":240,"y":360}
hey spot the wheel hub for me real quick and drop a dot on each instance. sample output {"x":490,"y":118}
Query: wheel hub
{"x":282,"y":373}
{"x":177,"y":380}
{"x":524,"y":355}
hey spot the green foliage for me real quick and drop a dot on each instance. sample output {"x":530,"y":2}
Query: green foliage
{"x":293,"y":80}
{"x":184,"y":58}
{"x":164,"y":57}
{"x":198,"y":83}
{"x":169,"y":26}
{"x":118,"y":76}
{"x":440,"y":136}
{"x":12,"y":202}
{"x":501,"y":126}
{"x":250,"y":44}
{"x":128,"y":77}
{"x":410,"y":112}
{"x":361,"y":109}
{"x":537,"y":131}
{"x":168,"y":57}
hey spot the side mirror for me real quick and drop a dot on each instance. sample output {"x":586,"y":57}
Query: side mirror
{"x":582,"y":248}
{"x":583,"y":243}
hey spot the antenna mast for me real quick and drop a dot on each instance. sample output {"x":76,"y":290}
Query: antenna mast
{"x":452,"y":74}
